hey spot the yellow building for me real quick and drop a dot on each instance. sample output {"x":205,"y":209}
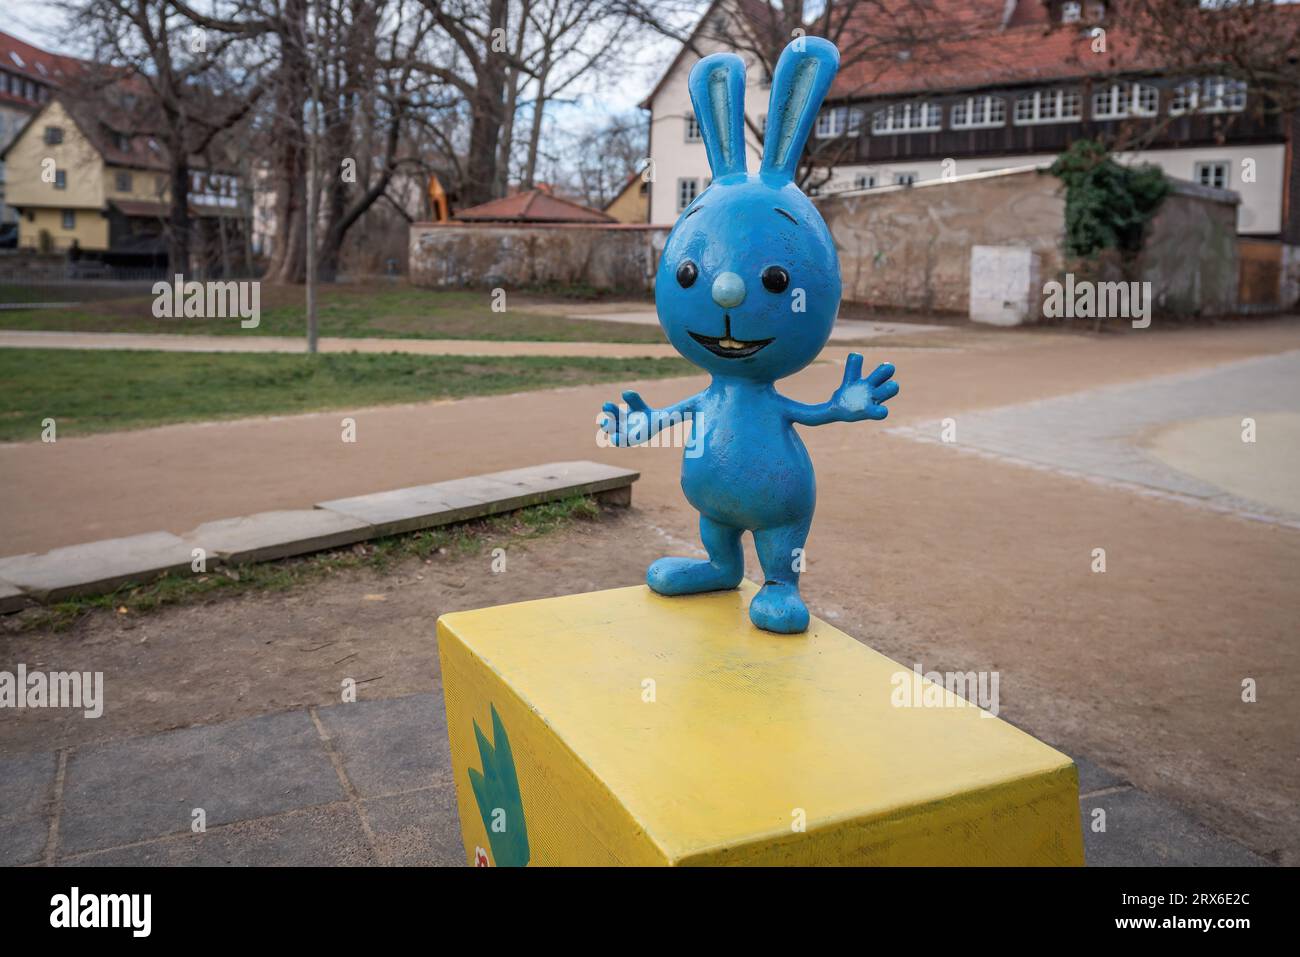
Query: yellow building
{"x":77,"y":183}
{"x":632,"y":204}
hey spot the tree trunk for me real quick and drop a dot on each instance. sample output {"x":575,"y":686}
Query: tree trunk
{"x":535,"y":134}
{"x":178,"y":233}
{"x":486,"y":108}
{"x":289,"y":257}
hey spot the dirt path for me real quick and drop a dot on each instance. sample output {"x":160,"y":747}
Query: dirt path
{"x":953,"y":561}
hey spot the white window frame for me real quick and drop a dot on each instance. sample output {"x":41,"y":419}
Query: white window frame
{"x":1049,"y":106}
{"x":837,"y":121}
{"x":1119,"y":101}
{"x":685,"y":185}
{"x":979,"y":113}
{"x":1201,"y":167}
{"x":1071,"y":11}
{"x":922,"y":117}
{"x":1210,"y":94}
{"x":693,"y":129}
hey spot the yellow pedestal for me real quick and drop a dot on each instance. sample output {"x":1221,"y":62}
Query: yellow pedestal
{"x":621,"y":727}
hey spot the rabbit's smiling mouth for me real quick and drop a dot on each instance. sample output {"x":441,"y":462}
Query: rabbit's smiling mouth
{"x":728,"y":347}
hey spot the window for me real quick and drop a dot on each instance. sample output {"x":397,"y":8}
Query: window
{"x":1071,"y":12}
{"x":906,"y":118}
{"x":60,"y":179}
{"x":864,"y":181}
{"x":979,"y":111}
{"x":838,"y":121}
{"x":122,"y":182}
{"x":1047,"y":106}
{"x":53,"y":135}
{"x":1096,"y":11}
{"x":692,"y":129}
{"x":1212,"y":174}
{"x":1214,"y":94}
{"x":687,"y":190}
{"x":904,"y":179}
{"x":1125,"y":99}
{"x":69,"y":219}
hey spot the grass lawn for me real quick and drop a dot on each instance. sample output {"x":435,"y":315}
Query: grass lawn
{"x":88,"y":391}
{"x":380,"y":310}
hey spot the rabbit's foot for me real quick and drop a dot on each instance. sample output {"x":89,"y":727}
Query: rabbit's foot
{"x":688,"y":576}
{"x":777,"y":607}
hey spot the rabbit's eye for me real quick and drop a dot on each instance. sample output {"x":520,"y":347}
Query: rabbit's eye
{"x":686,"y":274}
{"x":775,"y":279}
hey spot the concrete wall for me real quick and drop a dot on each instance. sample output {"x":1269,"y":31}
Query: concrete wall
{"x":909,"y":247}
{"x":1190,"y":254}
{"x":611,"y":257}
{"x":1255,"y":173}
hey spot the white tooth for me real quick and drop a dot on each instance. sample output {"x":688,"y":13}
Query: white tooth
{"x":729,"y":344}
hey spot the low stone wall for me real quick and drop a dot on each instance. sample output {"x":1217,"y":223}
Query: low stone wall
{"x":909,"y":248}
{"x":613,"y":257}
{"x":1190,"y":254}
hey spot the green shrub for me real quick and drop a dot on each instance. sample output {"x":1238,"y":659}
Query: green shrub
{"x":1107,"y":205}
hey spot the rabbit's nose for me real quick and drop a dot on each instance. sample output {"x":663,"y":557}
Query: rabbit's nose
{"x":728,"y":290}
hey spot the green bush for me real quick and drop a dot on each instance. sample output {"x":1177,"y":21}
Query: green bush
{"x":1107,"y":205}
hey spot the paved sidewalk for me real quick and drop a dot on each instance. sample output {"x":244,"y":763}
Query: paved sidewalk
{"x":253,"y":343}
{"x":368,"y":783}
{"x":1107,"y":435}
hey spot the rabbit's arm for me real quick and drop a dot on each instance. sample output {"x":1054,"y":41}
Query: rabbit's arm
{"x":638,"y":422}
{"x":856,"y":398}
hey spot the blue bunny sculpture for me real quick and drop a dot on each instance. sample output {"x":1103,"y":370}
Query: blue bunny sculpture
{"x":747,"y":289}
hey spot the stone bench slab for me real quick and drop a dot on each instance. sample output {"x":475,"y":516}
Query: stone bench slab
{"x":12,"y":598}
{"x":96,"y":566}
{"x":101,"y":566}
{"x":458,"y":500}
{"x":266,"y":536}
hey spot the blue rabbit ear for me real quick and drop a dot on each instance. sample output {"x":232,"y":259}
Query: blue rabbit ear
{"x":717,"y":85}
{"x":799,"y":84}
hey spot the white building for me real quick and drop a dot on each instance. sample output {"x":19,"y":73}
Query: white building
{"x":1014,"y":86}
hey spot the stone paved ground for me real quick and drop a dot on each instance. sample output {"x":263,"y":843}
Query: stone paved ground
{"x":368,"y":783}
{"x":1097,"y":433}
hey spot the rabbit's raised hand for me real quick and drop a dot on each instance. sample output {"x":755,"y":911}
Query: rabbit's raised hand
{"x":858,"y":398}
{"x":629,"y":426}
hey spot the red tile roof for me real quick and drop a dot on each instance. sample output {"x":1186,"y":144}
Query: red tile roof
{"x":982,"y":51}
{"x":906,"y":47}
{"x":41,"y":66}
{"x":533,"y":206}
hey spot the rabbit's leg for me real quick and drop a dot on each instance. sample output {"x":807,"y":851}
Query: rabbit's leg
{"x":686,"y":576}
{"x":777,"y":606}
